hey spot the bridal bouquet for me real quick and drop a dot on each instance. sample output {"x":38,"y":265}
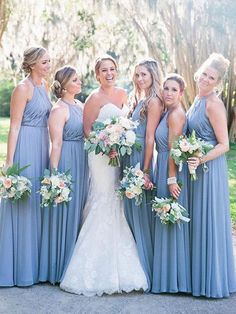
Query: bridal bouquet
{"x":114,"y":136}
{"x":169,"y":210}
{"x":55,"y":188}
{"x":132,"y":184}
{"x":185,"y":147}
{"x":13,"y":186}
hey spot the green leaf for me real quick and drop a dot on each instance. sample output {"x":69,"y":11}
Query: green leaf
{"x":98,"y":126}
{"x":138,"y":146}
{"x":123,"y":151}
{"x":15,"y":169}
{"x":97,"y":150}
{"x":47,"y":173}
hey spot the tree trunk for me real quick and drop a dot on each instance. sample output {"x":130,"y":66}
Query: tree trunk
{"x":4,"y":16}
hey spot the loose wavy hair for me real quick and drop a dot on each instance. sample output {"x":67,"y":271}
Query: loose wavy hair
{"x":153,"y":68}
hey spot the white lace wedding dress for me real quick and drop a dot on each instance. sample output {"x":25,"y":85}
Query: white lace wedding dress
{"x":105,"y":258}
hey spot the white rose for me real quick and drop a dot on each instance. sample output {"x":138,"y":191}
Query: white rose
{"x":137,"y":190}
{"x":65,"y":193}
{"x":126,"y":123}
{"x":55,"y":180}
{"x":130,"y":137}
{"x":114,"y":138}
{"x":20,"y":186}
{"x":46,"y":195}
{"x":176,"y":152}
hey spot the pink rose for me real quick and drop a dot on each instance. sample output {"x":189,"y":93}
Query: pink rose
{"x":129,"y":194}
{"x":184,"y":146}
{"x":7,"y":183}
{"x":61,"y":184}
{"x":59,"y":199}
{"x":166,"y":208}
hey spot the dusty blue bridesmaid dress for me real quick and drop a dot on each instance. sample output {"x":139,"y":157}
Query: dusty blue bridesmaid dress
{"x":20,"y":223}
{"x":171,"y":265}
{"x":213,"y":273}
{"x":61,"y":224}
{"x":140,"y":218}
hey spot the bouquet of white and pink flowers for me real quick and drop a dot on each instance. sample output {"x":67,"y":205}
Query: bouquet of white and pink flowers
{"x":132,"y":184}
{"x":55,"y":187}
{"x":13,"y":186}
{"x":169,"y":210}
{"x":114,"y":136}
{"x":185,"y":147}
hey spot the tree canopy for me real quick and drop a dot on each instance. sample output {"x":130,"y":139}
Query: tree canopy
{"x":180,"y":34}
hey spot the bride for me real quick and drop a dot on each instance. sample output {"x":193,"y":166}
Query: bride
{"x":105,"y":258}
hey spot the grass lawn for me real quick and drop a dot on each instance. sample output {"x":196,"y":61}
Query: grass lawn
{"x":231,"y":157}
{"x":4,"y":126}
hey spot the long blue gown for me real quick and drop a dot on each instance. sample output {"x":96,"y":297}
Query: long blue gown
{"x":140,"y":218}
{"x":171,"y":265}
{"x":213,"y":273}
{"x":20,"y":223}
{"x":61,"y":224}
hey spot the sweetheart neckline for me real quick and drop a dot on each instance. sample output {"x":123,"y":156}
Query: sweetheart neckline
{"x":110,"y":103}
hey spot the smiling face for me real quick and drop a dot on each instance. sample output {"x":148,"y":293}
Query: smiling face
{"x":208,"y":80}
{"x":42,"y":66}
{"x":73,"y":86}
{"x":143,"y":78}
{"x":106,"y":73}
{"x":171,"y":93}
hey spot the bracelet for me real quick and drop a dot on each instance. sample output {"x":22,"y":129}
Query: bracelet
{"x":200,"y":160}
{"x":171,"y":180}
{"x":146,"y":171}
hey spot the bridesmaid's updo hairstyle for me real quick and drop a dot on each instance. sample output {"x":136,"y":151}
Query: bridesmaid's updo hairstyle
{"x":153,"y":68}
{"x":62,"y":77}
{"x":177,"y":78}
{"x":30,"y":57}
{"x":219,"y":63}
{"x":99,"y":62}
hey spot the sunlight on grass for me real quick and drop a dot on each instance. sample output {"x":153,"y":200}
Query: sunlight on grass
{"x":4,"y":126}
{"x":231,"y":157}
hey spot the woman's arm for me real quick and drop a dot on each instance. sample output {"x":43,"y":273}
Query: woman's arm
{"x":90,"y":114}
{"x":57,"y":120}
{"x":176,"y":121}
{"x":154,"y":112}
{"x":17,"y":106}
{"x":217,"y":116}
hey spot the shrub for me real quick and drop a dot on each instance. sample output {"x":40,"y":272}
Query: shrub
{"x":6,"y":87}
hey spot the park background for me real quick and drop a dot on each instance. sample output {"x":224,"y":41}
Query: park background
{"x":179,"y":34}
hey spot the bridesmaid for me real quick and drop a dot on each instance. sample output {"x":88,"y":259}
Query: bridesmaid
{"x":61,"y":224}
{"x":213,"y":273}
{"x":148,"y":110}
{"x":20,"y":223}
{"x":171,"y":267}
